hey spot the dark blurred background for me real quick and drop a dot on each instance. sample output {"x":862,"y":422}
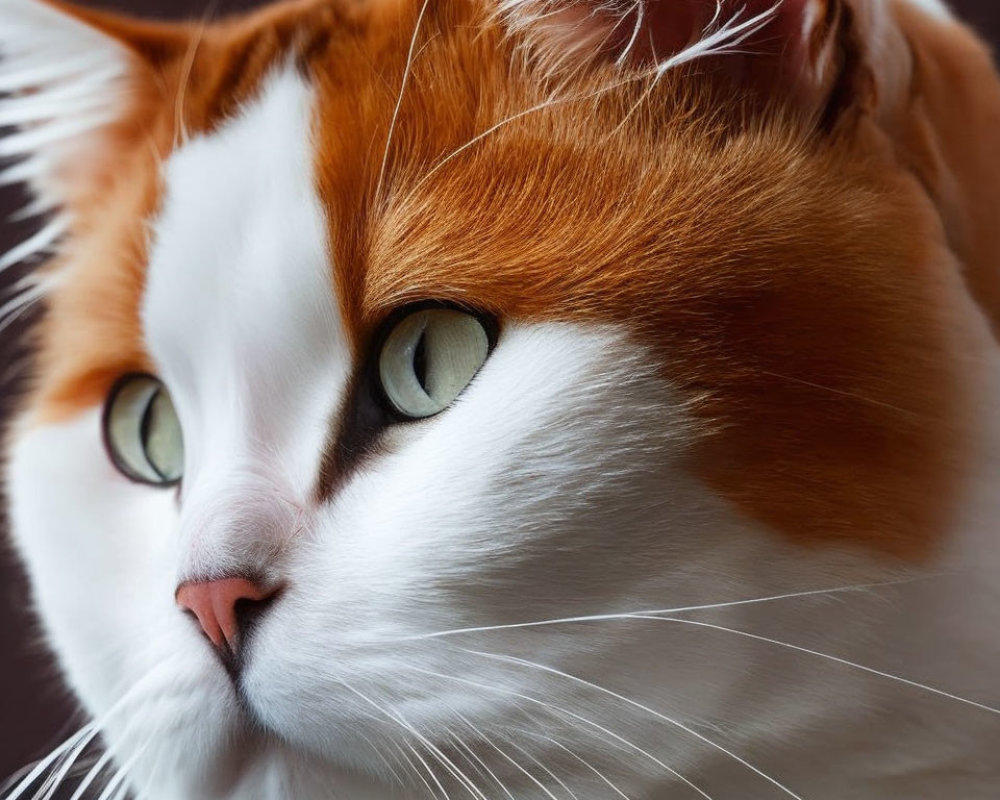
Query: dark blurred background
{"x":35,"y":709}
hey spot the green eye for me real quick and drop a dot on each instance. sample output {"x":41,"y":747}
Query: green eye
{"x":142,"y":432}
{"x":429,"y":357}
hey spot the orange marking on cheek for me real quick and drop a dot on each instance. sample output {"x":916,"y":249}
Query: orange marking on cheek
{"x":841,"y":409}
{"x":791,"y":287}
{"x":813,"y":344}
{"x":92,"y":331}
{"x":185,"y":79}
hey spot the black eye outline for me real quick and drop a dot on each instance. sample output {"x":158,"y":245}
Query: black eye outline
{"x":117,"y":461}
{"x":491,"y":326}
{"x":356,"y":431}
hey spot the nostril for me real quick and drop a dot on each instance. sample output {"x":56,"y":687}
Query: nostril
{"x":248,"y":612}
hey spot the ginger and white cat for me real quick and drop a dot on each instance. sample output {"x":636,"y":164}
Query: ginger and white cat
{"x":514,"y":398}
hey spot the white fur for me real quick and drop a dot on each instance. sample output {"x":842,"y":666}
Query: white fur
{"x":63,"y":81}
{"x":239,"y":292}
{"x":555,"y":487}
{"x":60,"y":83}
{"x":936,"y":8}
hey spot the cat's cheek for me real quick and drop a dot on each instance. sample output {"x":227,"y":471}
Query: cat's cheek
{"x":100,"y":551}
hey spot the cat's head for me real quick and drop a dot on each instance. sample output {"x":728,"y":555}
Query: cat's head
{"x":372,"y":322}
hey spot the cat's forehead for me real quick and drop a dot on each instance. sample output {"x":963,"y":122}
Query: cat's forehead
{"x":330,"y":170}
{"x":446,"y":168}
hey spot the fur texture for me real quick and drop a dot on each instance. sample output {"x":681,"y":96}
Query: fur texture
{"x":717,"y":516}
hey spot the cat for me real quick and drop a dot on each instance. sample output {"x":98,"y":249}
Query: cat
{"x":513,"y":398}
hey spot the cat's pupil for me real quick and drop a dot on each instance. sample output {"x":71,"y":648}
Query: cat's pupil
{"x":146,"y":423}
{"x":420,"y":360}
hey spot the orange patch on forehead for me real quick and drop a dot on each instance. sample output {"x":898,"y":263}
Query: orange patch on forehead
{"x":788,"y":284}
{"x":183,"y":80}
{"x":791,"y":286}
{"x":793,"y":296}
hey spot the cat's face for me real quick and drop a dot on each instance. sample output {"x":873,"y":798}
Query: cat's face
{"x":404,"y":332}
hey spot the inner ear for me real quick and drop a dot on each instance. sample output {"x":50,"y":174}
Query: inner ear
{"x":796,"y":51}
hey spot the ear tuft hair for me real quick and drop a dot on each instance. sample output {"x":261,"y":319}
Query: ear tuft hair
{"x":60,"y":82}
{"x":651,"y":33}
{"x":807,"y":54}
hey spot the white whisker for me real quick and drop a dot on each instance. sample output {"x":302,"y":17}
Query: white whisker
{"x":432,"y":749}
{"x":582,"y":760}
{"x":23,"y":171}
{"x":827,"y":656}
{"x":659,"y":715}
{"x":427,"y":767}
{"x":549,"y":103}
{"x":120,"y":776}
{"x":730,"y":35}
{"x":36,"y":772}
{"x":506,"y":757}
{"x":91,"y":776}
{"x":399,"y":99}
{"x":44,"y":71}
{"x":573,"y":715}
{"x":483,"y":764}
{"x":35,"y":207}
{"x":456,"y":742}
{"x":93,"y":727}
{"x":19,"y":305}
{"x":38,"y":242}
{"x":640,"y":13}
{"x":416,"y":770}
{"x":640,"y":614}
{"x":542,"y":767}
{"x":36,"y":138}
{"x":55,"y":779}
{"x":611,"y":744}
{"x":114,"y":784}
{"x":382,"y":757}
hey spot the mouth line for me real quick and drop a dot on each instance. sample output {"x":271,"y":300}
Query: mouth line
{"x":231,"y":661}
{"x":234,"y":663}
{"x":249,"y":716}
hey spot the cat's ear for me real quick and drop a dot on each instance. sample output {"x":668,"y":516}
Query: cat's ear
{"x":802,"y":51}
{"x":67,"y":76}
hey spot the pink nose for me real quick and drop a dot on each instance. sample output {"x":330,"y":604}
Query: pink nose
{"x":217,"y":605}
